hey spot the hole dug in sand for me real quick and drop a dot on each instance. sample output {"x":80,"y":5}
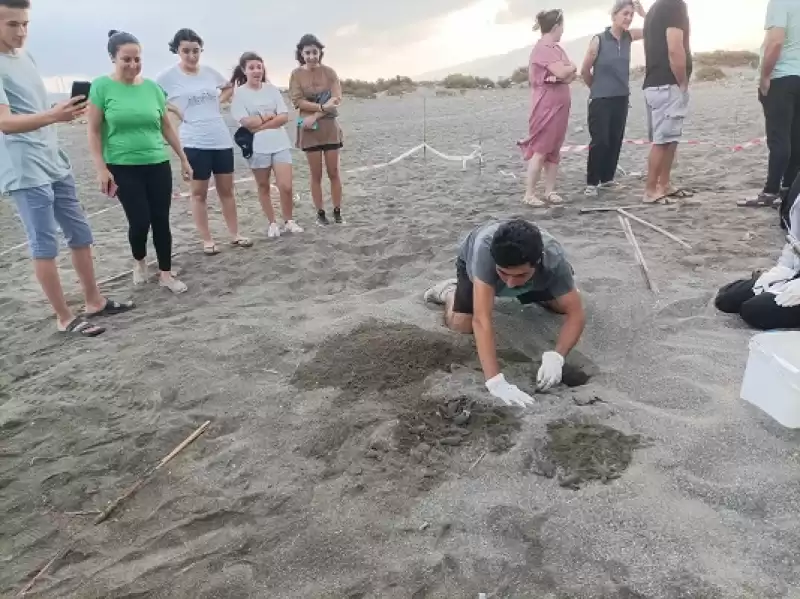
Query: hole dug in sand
{"x":581,"y":451}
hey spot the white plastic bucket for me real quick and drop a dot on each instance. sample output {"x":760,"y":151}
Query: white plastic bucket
{"x":772,"y":376}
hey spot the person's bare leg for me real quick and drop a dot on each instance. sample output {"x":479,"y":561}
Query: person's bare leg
{"x":83,"y":263}
{"x":227,"y":201}
{"x":550,"y":177}
{"x":332,"y":168}
{"x":664,"y":186}
{"x":535,"y":166}
{"x":654,"y":166}
{"x":261,"y":175}
{"x":283,"y":181}
{"x":315,"y":176}
{"x":199,"y":193}
{"x":456,"y":321}
{"x":47,"y":274}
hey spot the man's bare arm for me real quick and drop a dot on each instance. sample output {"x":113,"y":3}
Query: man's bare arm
{"x":677,"y":56}
{"x":483,"y":328}
{"x":571,"y":306}
{"x":773,"y":44}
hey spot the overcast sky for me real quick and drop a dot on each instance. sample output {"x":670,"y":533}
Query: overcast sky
{"x":365,"y":38}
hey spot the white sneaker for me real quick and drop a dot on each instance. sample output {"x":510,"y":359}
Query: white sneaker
{"x":590,"y":191}
{"x":274,"y":230}
{"x":174,"y":285}
{"x":140,"y":274}
{"x":438,"y":293}
{"x":609,"y":185}
{"x":292,"y":227}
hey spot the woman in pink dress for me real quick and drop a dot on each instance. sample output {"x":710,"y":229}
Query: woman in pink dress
{"x":550,"y":72}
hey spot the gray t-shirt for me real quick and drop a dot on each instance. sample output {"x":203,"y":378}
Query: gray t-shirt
{"x":197,"y":97}
{"x":27,"y":159}
{"x":553,"y":275}
{"x":266,"y":101}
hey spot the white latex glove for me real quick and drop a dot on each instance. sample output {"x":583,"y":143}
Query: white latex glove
{"x":550,"y":371}
{"x":507,"y":393}
{"x":776,"y":274}
{"x":790,"y":295}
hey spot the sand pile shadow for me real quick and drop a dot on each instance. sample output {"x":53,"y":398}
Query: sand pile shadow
{"x":377,"y":356}
{"x":579,"y":452}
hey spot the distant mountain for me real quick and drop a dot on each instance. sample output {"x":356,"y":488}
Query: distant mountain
{"x":503,"y":65}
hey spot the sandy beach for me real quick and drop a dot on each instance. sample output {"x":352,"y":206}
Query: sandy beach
{"x":335,"y":465}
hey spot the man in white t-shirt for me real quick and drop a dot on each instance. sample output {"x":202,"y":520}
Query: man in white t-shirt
{"x":194,"y":93}
{"x":259,"y":107}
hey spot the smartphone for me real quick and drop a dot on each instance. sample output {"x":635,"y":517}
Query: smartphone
{"x":80,"y":88}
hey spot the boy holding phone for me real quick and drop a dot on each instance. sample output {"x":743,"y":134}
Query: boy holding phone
{"x":38,"y":176}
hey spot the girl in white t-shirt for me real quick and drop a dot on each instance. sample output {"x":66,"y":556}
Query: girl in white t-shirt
{"x":194,"y":93}
{"x":258,"y":106}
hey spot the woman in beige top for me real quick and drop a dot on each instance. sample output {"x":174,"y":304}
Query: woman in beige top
{"x":316,"y":94}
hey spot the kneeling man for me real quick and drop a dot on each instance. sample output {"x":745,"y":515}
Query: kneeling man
{"x":511,"y":259}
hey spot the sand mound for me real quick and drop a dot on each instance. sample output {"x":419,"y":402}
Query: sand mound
{"x":377,"y":356}
{"x":582,"y":452}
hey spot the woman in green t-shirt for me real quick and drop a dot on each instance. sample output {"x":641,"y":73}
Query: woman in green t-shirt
{"x":128,"y":123}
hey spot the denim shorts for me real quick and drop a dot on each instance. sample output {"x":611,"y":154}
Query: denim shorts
{"x":43,"y":209}
{"x":667,"y":109}
{"x":258,"y":160}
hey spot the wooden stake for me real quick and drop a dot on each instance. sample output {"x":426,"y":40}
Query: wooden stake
{"x":42,"y":571}
{"x":148,"y":475}
{"x":615,"y":208}
{"x":626,"y":227}
{"x":656,"y":228}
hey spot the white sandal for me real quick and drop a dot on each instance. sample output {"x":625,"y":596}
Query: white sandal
{"x":174,"y":285}
{"x":532,"y":201}
{"x":553,"y":198}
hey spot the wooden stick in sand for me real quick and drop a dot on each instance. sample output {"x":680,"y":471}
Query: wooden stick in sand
{"x":656,"y":228}
{"x":615,"y":208}
{"x":626,"y":227}
{"x":148,"y":475}
{"x":42,"y":571}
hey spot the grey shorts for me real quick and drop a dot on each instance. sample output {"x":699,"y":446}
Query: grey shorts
{"x":268,"y":160}
{"x":667,"y":109}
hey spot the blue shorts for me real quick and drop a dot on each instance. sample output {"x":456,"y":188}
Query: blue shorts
{"x":43,"y":209}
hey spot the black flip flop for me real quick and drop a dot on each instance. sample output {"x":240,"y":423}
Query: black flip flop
{"x":681,"y":194}
{"x":762,"y":200}
{"x":112,"y":308}
{"x":83,"y":328}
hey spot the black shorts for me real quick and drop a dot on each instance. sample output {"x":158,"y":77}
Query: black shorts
{"x":206,"y":162}
{"x":324,"y":148}
{"x":462,"y":300}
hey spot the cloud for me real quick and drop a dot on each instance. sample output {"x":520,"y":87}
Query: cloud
{"x":347,"y":30}
{"x":526,"y":10}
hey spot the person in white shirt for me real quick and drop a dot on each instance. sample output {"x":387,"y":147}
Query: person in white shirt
{"x":259,"y":107}
{"x":194,"y":93}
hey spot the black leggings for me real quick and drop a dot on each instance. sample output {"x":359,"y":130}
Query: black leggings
{"x":145,"y":192}
{"x":758,"y":311}
{"x":607,"y":120}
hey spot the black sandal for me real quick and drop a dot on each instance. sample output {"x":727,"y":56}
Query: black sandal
{"x":83,"y":328}
{"x":112,"y":308}
{"x":762,"y":200}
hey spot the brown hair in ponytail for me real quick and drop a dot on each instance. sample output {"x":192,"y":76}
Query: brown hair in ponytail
{"x":547,"y":20}
{"x":239,"y":77}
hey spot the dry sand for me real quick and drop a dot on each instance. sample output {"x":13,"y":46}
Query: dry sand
{"x":338,"y":462}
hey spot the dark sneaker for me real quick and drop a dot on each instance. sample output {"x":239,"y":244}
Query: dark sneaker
{"x":322,"y":220}
{"x":337,"y":216}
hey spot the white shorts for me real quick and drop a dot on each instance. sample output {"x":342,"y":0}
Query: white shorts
{"x":667,"y":109}
{"x":257,"y":161}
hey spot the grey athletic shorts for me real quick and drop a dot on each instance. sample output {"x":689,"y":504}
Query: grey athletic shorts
{"x":268,"y":160}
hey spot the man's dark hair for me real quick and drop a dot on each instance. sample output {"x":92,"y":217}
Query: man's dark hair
{"x":184,"y":35}
{"x":16,"y":3}
{"x":517,"y":243}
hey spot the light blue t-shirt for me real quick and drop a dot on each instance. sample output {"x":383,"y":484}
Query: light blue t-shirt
{"x":785,"y":14}
{"x":27,"y":159}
